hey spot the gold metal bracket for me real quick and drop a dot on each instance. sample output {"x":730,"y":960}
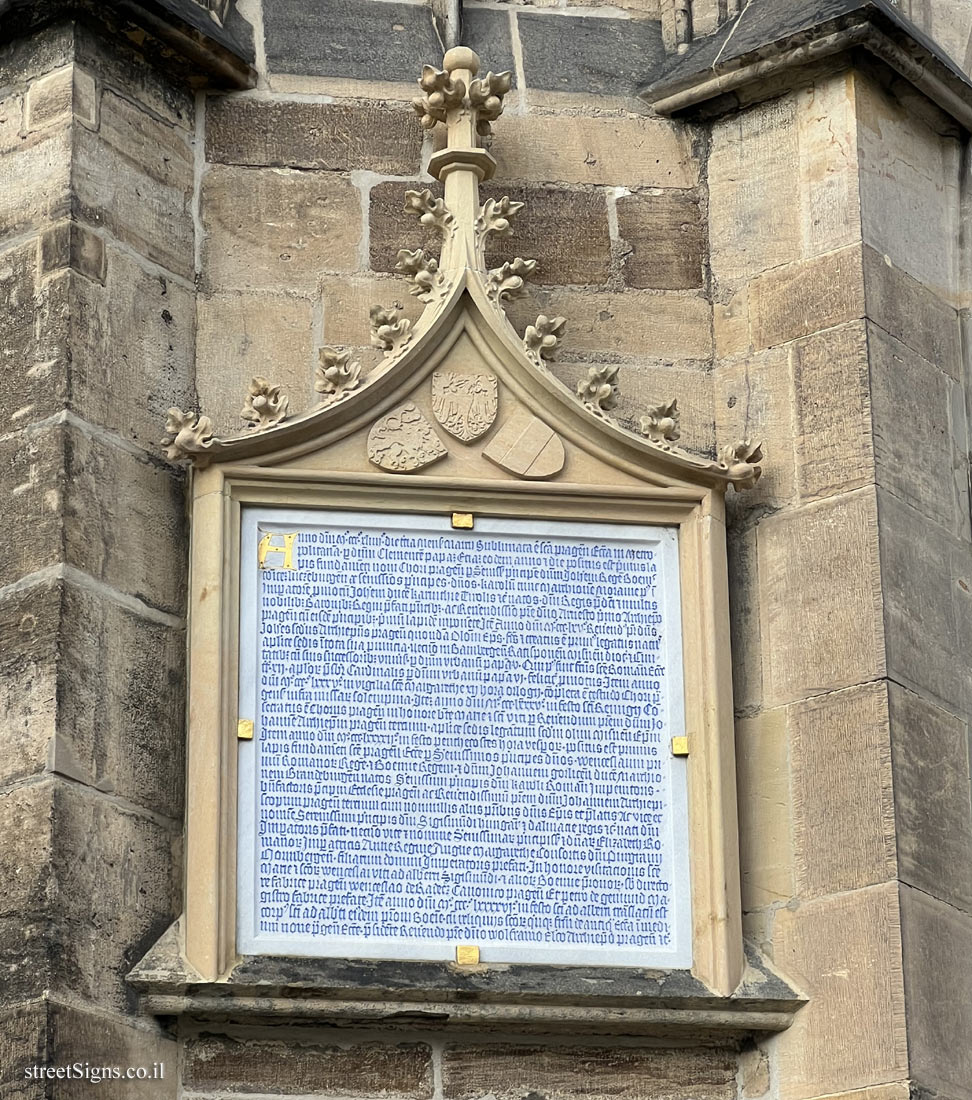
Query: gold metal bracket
{"x":244,"y":729}
{"x":467,"y":954}
{"x":463,"y":520}
{"x":680,"y":746}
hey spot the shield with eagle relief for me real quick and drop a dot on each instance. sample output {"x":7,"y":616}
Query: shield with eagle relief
{"x":464,"y":404}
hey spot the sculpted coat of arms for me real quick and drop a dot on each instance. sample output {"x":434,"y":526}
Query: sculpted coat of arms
{"x":464,"y":404}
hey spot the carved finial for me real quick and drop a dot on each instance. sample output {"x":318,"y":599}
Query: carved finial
{"x":506,"y":281}
{"x":265,"y":405}
{"x":432,"y":213}
{"x":740,"y":460}
{"x":186,"y":433}
{"x":660,"y":423}
{"x":542,"y":337}
{"x":336,"y":376}
{"x":441,"y":93}
{"x":600,"y":390}
{"x":486,"y":96}
{"x":389,"y":329}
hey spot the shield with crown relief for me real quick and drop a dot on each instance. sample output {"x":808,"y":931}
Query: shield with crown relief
{"x":464,"y":404}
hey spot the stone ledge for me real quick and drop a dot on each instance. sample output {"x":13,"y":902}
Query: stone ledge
{"x":205,"y":41}
{"x":529,"y":999}
{"x":776,"y":38}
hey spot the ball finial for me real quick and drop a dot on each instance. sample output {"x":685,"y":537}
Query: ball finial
{"x":461,"y":57}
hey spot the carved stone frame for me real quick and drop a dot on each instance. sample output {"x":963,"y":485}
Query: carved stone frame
{"x":219,"y":493}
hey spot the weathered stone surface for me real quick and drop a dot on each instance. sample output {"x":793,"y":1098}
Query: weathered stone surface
{"x":927,"y":604}
{"x":765,"y":827}
{"x":23,"y":1044}
{"x":834,"y":444}
{"x":938,"y":977}
{"x":565,"y":231}
{"x":594,"y":1073}
{"x":341,"y":137}
{"x":820,"y":580}
{"x":662,"y":234}
{"x":845,"y":952}
{"x":615,"y":149}
{"x":117,"y":889}
{"x":920,"y":432}
{"x":346,"y":303}
{"x":933,"y":812}
{"x":132,"y":349}
{"x":753,"y":399}
{"x":744,"y":617}
{"x":304,"y":37}
{"x":805,"y":297}
{"x":597,"y":56}
{"x":25,"y":871}
{"x":134,"y":177}
{"x":363,"y":1070}
{"x":35,"y":182}
{"x":843,"y":806}
{"x":243,"y":335}
{"x":912,"y":314}
{"x":99,"y":1040}
{"x":29,"y":624}
{"x":275,"y":228}
{"x":754,"y":197}
{"x":671,"y":326}
{"x":909,"y":188}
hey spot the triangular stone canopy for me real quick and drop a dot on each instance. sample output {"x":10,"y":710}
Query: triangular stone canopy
{"x":460,"y":394}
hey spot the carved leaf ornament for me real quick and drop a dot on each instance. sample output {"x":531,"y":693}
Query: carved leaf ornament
{"x":466,"y":404}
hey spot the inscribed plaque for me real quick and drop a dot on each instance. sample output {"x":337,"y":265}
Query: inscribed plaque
{"x":461,"y":737}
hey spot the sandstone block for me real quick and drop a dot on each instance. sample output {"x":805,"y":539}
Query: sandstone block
{"x":765,"y":827}
{"x":132,"y":350}
{"x":909,"y":188}
{"x":938,"y":976}
{"x":592,"y":1073}
{"x":242,"y":335}
{"x":754,"y":1072}
{"x":70,"y":244}
{"x":565,"y":231}
{"x":827,"y":135}
{"x":346,"y":304}
{"x":843,"y":805}
{"x":29,"y":624}
{"x":119,"y":730}
{"x":671,"y":326}
{"x":596,"y":56}
{"x":23,"y":1043}
{"x":820,"y":580}
{"x":134,"y":177}
{"x":35,"y":182}
{"x":359,"y":1070}
{"x":11,"y":122}
{"x":744,"y":616}
{"x":927,"y":604}
{"x":117,"y":890}
{"x":927,"y":463}
{"x":99,"y":1040}
{"x":930,"y":750}
{"x":912,"y":314}
{"x":754,"y":193}
{"x":805,"y":297}
{"x":834,"y":445}
{"x":25,"y":871}
{"x":620,"y":150}
{"x":664,"y":234}
{"x":753,"y":399}
{"x":730,"y":324}
{"x":26,"y":58}
{"x":49,"y":99}
{"x":273,"y":228}
{"x":340,"y":137}
{"x":845,"y":952}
